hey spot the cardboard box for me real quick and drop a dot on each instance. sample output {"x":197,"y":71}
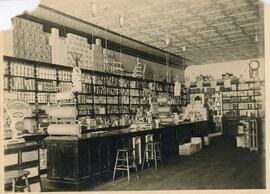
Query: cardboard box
{"x":185,"y":149}
{"x":189,"y":148}
{"x":197,"y":141}
{"x":242,"y":141}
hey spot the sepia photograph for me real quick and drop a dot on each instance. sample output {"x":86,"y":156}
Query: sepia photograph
{"x":134,"y":95}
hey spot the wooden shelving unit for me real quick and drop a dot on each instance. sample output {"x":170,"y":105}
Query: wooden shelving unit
{"x":104,"y":94}
{"x":239,"y":101}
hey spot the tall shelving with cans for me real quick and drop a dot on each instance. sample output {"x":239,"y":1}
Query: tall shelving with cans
{"x":243,"y":100}
{"x":231,"y":102}
{"x":104,"y":96}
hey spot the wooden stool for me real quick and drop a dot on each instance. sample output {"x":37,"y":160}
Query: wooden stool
{"x":123,"y":162}
{"x":152,"y":152}
{"x":17,"y":179}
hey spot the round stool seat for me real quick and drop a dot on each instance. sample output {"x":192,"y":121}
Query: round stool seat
{"x":126,"y":149}
{"x":17,"y":176}
{"x":153,"y":143}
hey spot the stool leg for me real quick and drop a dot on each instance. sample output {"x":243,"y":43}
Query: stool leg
{"x":115,"y":165}
{"x":123,"y":155}
{"x":13,"y":185}
{"x":155,"y":157}
{"x":150,"y":153}
{"x":127,"y":166}
{"x":160,"y":158}
{"x":134,"y":163}
{"x":41,"y":189}
{"x":27,"y":184}
{"x":144,"y":156}
{"x":136,"y":169}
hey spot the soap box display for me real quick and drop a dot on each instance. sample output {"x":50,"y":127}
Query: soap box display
{"x":29,"y":40}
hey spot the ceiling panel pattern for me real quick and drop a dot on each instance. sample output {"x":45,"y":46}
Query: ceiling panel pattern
{"x":211,"y":30}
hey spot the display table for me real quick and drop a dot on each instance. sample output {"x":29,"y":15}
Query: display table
{"x":78,"y":161}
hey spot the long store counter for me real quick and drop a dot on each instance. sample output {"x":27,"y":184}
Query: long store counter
{"x":79,"y":161}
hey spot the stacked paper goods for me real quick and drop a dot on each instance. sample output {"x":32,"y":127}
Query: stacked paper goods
{"x":78,"y":51}
{"x":109,"y":60}
{"x":58,"y":47}
{"x":29,"y":40}
{"x":97,"y":55}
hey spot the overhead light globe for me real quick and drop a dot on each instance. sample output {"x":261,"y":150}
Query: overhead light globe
{"x":121,"y":21}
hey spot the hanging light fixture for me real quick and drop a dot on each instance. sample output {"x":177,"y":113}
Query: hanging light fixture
{"x":184,"y":50}
{"x":167,"y":42}
{"x":93,"y":9}
{"x":121,"y":21}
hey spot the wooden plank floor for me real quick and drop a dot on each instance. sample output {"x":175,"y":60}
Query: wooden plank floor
{"x":218,"y":166}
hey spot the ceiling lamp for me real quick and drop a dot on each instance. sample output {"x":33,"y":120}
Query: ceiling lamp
{"x":183,"y":58}
{"x":121,"y":21}
{"x":167,"y":41}
{"x":93,"y":9}
{"x":184,"y":48}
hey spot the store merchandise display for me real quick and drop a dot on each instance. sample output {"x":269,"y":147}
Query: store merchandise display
{"x":109,"y":60}
{"x":97,"y":56}
{"x":196,"y":112}
{"x":30,"y":41}
{"x":78,"y":51}
{"x":139,"y":69}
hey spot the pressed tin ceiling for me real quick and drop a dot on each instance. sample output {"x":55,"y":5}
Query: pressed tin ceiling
{"x":211,"y":30}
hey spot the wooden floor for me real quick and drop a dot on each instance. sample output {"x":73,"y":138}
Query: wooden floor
{"x":218,"y":166}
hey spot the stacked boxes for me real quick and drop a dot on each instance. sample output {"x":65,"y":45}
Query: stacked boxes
{"x":186,"y":149}
{"x":46,"y":97}
{"x":46,"y":73}
{"x":197,"y":142}
{"x":190,"y":148}
{"x":22,"y":69}
{"x":77,"y":49}
{"x":58,"y":47}
{"x":26,"y":96}
{"x":21,"y":83}
{"x":109,"y":60}
{"x":97,"y":55}
{"x":29,"y":41}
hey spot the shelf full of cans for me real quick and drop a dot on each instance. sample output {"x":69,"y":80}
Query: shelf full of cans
{"x":33,"y":82}
{"x":102,"y":93}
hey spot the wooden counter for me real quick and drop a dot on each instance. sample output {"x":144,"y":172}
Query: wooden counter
{"x":79,"y":161}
